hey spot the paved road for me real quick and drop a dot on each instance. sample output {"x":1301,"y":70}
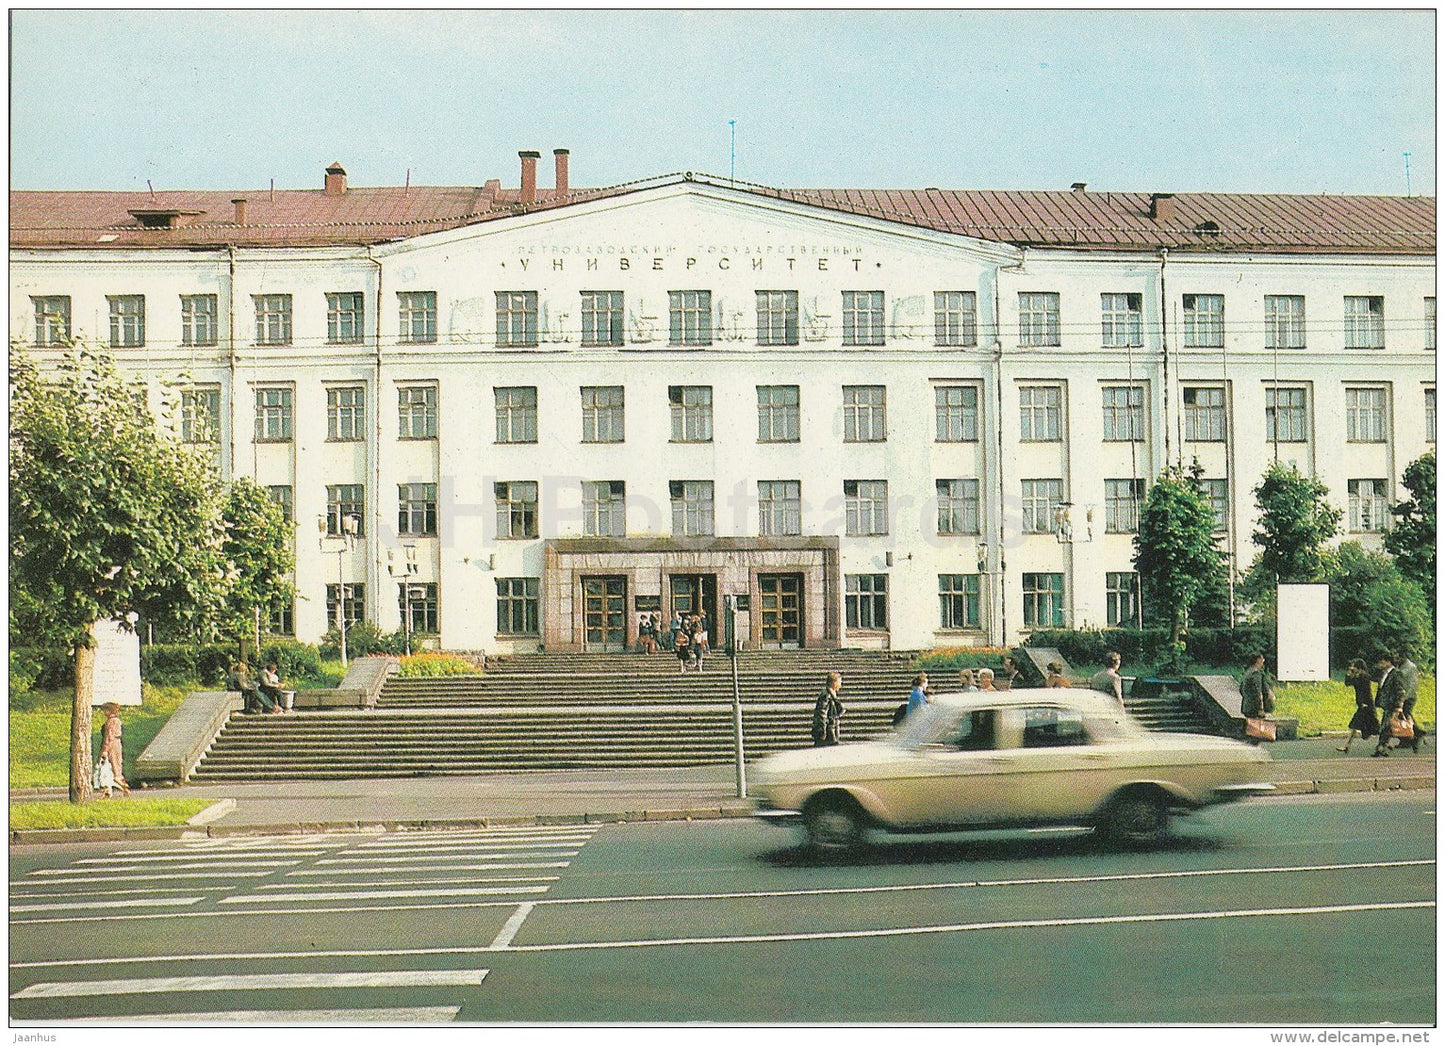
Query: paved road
{"x":1270,"y":912}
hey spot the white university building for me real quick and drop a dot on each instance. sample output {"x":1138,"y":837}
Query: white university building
{"x":881,"y":418}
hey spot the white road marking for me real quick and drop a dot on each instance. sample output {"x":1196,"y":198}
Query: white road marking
{"x":489,"y":847}
{"x":256,"y":956}
{"x":212,"y":865}
{"x":511,"y":926}
{"x":195,"y":860}
{"x":153,"y":854}
{"x":412,"y":882}
{"x":89,"y":905}
{"x":396,"y":1015}
{"x":349,"y":910}
{"x":437,"y":868}
{"x":148,"y":876}
{"x":23,"y":895}
{"x":371,"y":860}
{"x":489,"y":833}
{"x":1005,"y":924}
{"x":252,"y":982}
{"x":377,"y":895}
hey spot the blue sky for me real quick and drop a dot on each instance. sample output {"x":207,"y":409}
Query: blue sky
{"x":1222,"y":101}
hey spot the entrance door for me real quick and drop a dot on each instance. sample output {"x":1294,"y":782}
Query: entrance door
{"x":604,"y":614}
{"x":696,"y":594}
{"x":782,"y":610}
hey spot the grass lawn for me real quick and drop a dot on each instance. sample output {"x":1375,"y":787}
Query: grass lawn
{"x":105,"y":813}
{"x":1329,"y":706}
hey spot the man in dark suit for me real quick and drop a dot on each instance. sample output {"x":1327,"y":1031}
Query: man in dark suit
{"x":1390,"y":696}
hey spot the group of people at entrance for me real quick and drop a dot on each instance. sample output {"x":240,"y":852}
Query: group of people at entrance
{"x":1388,"y":714}
{"x":686,"y":636}
{"x":258,"y":697}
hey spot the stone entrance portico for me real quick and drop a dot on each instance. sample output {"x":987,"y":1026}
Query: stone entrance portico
{"x":594,"y":589}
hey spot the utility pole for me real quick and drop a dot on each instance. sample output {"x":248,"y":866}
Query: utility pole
{"x":730,"y":610}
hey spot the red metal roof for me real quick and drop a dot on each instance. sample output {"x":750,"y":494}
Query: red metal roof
{"x":1065,"y":219}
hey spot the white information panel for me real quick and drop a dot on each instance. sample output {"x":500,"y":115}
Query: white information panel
{"x":1303,"y":624}
{"x":117,"y":664}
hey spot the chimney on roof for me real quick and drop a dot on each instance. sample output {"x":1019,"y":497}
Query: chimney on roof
{"x":1161,"y":206}
{"x":1079,"y":186}
{"x":240,"y":204}
{"x":335,"y":180}
{"x":528,"y":194}
{"x":493,"y":188}
{"x":561,"y":157}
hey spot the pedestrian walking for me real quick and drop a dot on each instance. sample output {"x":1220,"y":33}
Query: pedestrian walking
{"x":1395,"y":697}
{"x":645,"y":642}
{"x":827,"y":711}
{"x":985,"y":679}
{"x":1008,"y":677}
{"x":1256,"y":695}
{"x":1365,"y":722}
{"x":918,"y":696}
{"x":699,"y":643}
{"x":682,"y":646}
{"x":1055,"y":678}
{"x":966,"y":682}
{"x":1107,"y":679}
{"x":1410,"y":683}
{"x":674,"y":629}
{"x":109,"y":773}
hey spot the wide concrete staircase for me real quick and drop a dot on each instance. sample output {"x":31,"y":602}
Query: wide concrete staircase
{"x":586,"y":711}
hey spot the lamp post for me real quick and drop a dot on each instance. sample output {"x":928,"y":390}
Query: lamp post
{"x":347,"y":529}
{"x":404,"y":571}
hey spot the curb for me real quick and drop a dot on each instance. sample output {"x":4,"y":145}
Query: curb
{"x":198,"y":829}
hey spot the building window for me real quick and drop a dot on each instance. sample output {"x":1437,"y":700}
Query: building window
{"x":1123,"y":320}
{"x":604,"y":508}
{"x":344,"y":314}
{"x":1430,"y":324}
{"x":516,"y":319}
{"x":199,"y":324}
{"x":1430,"y":415}
{"x":353,"y":601}
{"x":283,"y":496}
{"x":778,"y":414}
{"x":516,"y":509}
{"x":342,"y":500}
{"x":273,"y":415}
{"x":692,"y":515}
{"x":1365,"y":415}
{"x":1364,"y":322}
{"x":281,"y":620}
{"x":418,"y":315}
{"x":346,"y":413}
{"x":958,"y":506}
{"x":416,"y":407}
{"x":1369,"y":505}
{"x":1204,"y":321}
{"x":1040,"y":408}
{"x":1042,"y":499}
{"x":1122,"y":498}
{"x":955,"y":318}
{"x":865,"y":600}
{"x":201,"y":416}
{"x":1216,"y":496}
{"x":865,"y":507}
{"x":416,"y":514}
{"x":602,"y":414}
{"x":955,"y":413}
{"x":1285,"y":415}
{"x":865,"y":414}
{"x":780,"y":508}
{"x":777,"y":317}
{"x":52,"y":319}
{"x":601,"y":317}
{"x":1043,"y":600}
{"x":1038,"y":318}
{"x":1284,"y":321}
{"x":127,"y":320}
{"x":418,"y":605}
{"x":690,"y":317}
{"x":517,"y":414}
{"x":862,"y":317}
{"x":1121,"y":598}
{"x":517,"y":606}
{"x":958,"y":601}
{"x":691,"y":407}
{"x":1204,"y":417}
{"x":273,"y":319}
{"x":1124,"y":413}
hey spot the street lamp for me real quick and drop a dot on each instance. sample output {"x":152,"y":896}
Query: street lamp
{"x":349,"y":526}
{"x":405,"y":571}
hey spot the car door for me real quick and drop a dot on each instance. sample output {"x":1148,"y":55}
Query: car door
{"x":1059,"y":771}
{"x":958,"y":779}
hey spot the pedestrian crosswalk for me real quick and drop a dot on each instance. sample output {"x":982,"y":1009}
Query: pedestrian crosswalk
{"x":261,"y":888}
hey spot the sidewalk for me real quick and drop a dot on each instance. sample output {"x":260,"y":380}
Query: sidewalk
{"x":595,"y":796}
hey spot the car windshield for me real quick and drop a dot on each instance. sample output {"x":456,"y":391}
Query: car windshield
{"x":940,"y":724}
{"x":927,"y":725}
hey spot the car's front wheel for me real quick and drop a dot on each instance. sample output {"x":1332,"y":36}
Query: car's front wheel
{"x":1135,"y":817}
{"x":834,"y":822}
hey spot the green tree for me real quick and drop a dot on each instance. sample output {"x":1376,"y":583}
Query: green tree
{"x":1412,"y":538}
{"x":108,"y":515}
{"x":259,"y":551}
{"x":1374,"y":609}
{"x":1295,"y":523}
{"x":1174,"y":550}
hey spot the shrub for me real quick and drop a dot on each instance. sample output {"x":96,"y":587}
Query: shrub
{"x":295,"y":661}
{"x":1218,"y":647}
{"x":45,"y":668}
{"x":945,"y":658}
{"x":363,"y":638}
{"x":434,"y":665}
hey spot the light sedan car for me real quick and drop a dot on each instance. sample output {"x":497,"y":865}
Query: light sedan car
{"x":1004,"y":759}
